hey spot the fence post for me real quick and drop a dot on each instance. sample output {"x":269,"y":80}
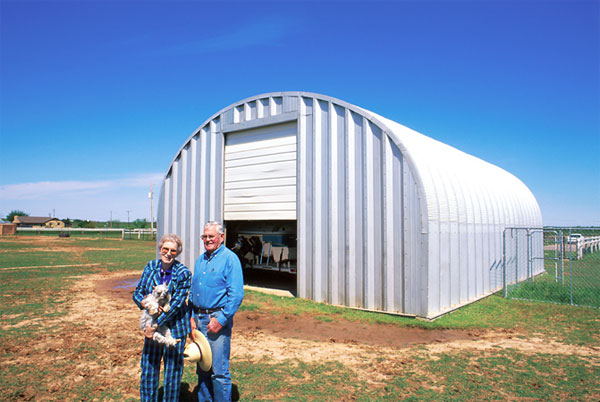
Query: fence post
{"x":556,"y":256}
{"x":562,"y":258}
{"x":571,"y":279}
{"x":559,"y":252}
{"x":504,"y":262}
{"x":529,"y":244}
{"x":516,"y":255}
{"x":571,"y":268}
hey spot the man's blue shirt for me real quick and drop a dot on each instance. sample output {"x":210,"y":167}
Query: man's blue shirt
{"x":218,"y":283}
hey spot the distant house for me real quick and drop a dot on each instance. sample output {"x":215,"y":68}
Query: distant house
{"x":37,"y":222}
{"x":7,"y":228}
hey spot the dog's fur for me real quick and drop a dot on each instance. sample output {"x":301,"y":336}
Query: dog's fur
{"x":159,"y":297}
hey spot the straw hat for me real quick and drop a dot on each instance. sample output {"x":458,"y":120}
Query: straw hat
{"x":199,"y":351}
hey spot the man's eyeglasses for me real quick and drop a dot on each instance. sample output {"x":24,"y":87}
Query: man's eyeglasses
{"x":209,"y":237}
{"x":166,"y":250}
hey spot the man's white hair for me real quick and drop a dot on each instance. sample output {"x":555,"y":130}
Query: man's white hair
{"x":217,"y":225}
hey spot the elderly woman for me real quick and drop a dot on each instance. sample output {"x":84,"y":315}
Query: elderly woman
{"x":178,"y":277}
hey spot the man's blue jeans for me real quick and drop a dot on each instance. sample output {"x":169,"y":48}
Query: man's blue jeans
{"x":215,"y":385}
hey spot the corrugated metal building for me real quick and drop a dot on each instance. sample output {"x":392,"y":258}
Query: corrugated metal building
{"x":370,"y":214}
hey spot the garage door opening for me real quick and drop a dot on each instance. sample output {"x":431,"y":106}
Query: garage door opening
{"x":267,"y":251}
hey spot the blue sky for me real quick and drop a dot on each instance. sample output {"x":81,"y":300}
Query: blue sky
{"x":96,"y":98}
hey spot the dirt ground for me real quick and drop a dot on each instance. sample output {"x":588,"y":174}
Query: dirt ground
{"x":109,"y":345}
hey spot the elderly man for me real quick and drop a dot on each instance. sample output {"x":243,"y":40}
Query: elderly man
{"x":216,"y":294}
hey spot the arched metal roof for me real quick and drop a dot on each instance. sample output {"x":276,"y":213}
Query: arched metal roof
{"x":455,"y":186}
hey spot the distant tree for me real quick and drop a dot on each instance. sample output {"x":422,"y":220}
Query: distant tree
{"x":89,"y":224}
{"x":140,"y":223}
{"x":78,"y":223}
{"x":67,"y":222}
{"x":13,"y":213}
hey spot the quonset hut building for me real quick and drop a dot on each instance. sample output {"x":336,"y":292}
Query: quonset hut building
{"x":366,"y":212}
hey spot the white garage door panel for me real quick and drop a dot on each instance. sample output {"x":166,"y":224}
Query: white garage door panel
{"x":260,"y":173}
{"x":260,"y":215}
{"x":264,"y":159}
{"x":275,"y":170}
{"x":256,"y":176}
{"x":277,"y":182}
{"x":262,"y":148}
{"x":262,"y":193}
{"x":276,"y":133}
{"x":277,"y":206}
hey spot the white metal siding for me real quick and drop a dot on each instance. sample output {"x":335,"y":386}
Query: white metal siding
{"x":192,"y":190}
{"x":469,"y":203}
{"x":388,"y":219}
{"x":260,"y":173}
{"x":352,"y":234}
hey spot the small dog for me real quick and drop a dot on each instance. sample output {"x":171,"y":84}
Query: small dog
{"x":159,"y":297}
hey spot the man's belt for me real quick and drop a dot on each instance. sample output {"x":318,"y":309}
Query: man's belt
{"x":205,"y":310}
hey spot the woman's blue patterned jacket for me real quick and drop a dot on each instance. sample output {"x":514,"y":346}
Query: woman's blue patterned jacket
{"x":177,"y":318}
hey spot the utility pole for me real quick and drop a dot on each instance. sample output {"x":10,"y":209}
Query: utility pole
{"x":150,"y":195}
{"x":128,"y":219}
{"x":111,"y":219}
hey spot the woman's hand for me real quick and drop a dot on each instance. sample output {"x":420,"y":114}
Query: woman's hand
{"x":149,"y":331}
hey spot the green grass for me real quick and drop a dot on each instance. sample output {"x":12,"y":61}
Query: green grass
{"x":479,"y":376}
{"x":293,"y":380}
{"x":35,"y":297}
{"x":34,"y":292}
{"x":74,"y":233}
{"x":578,"y":283}
{"x":500,"y":375}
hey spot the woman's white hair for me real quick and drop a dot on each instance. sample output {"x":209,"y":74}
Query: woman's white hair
{"x":171,"y":237}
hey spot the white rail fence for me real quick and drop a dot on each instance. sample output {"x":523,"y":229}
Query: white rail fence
{"x":584,"y":245}
{"x":126,"y":234}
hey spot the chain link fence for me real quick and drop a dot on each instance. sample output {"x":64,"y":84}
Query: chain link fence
{"x":559,"y":265}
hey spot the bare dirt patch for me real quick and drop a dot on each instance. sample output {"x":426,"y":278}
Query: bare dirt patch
{"x":100,"y":330}
{"x":310,"y":328}
{"x":309,"y":338}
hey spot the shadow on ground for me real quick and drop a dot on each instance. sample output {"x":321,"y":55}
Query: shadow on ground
{"x":191,"y":395}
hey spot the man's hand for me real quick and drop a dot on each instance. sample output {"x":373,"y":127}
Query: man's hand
{"x":149,"y":331}
{"x":193,"y":325}
{"x":214,"y":326}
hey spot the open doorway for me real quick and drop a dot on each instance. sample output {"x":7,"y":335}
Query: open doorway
{"x":267,"y":251}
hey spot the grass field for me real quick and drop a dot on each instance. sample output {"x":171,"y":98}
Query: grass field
{"x":66,"y":336}
{"x":90,"y":233}
{"x":578,"y":282}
